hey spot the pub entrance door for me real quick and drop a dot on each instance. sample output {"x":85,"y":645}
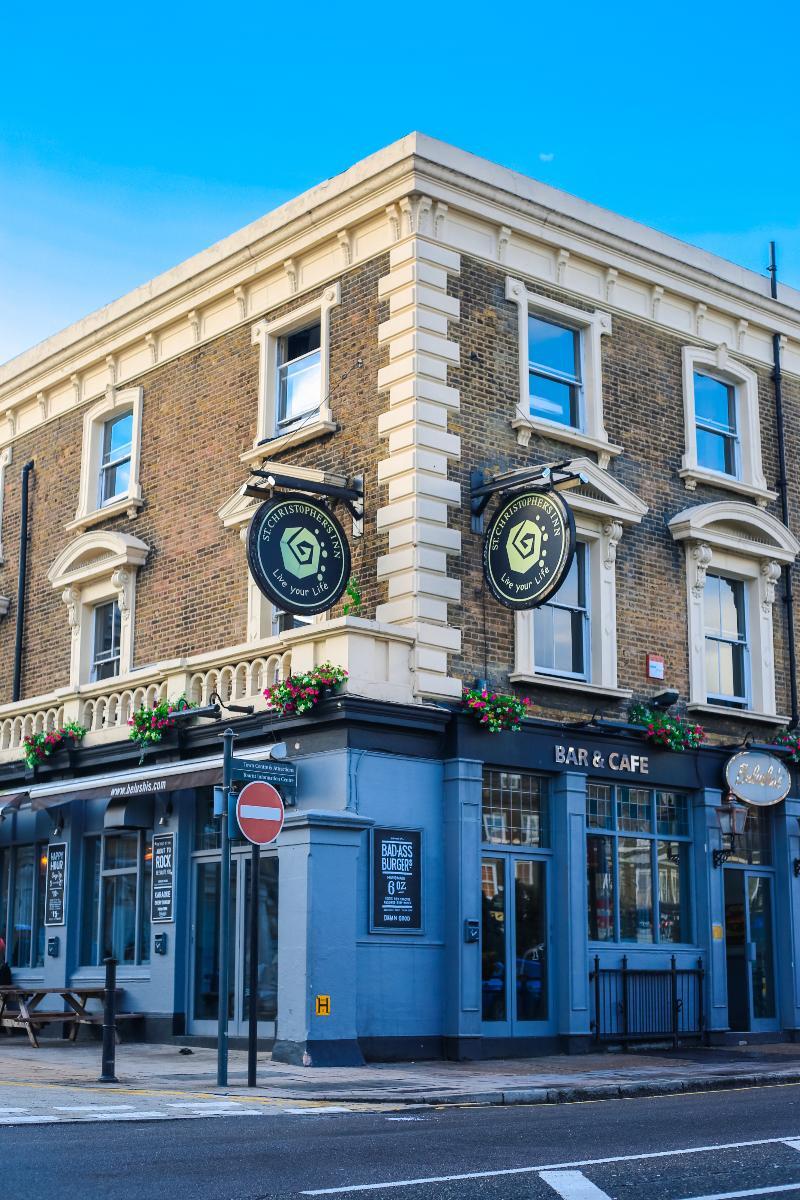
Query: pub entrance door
{"x":749,"y":951}
{"x":204,"y":944}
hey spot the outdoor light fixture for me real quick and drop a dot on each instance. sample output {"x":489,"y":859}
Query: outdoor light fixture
{"x":732,"y":819}
{"x":58,"y":823}
{"x":246,"y":710}
{"x":167,"y":813}
{"x":278,"y":750}
{"x":665,"y":699}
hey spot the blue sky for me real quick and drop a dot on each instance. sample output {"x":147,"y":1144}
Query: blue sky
{"x":132,"y":136}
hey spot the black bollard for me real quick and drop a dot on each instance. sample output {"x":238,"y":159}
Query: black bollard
{"x":110,"y":1023}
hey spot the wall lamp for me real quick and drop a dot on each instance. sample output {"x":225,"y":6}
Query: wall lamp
{"x":666,"y":699}
{"x":58,"y":822}
{"x":732,"y":819}
{"x":246,"y":710}
{"x":167,"y":813}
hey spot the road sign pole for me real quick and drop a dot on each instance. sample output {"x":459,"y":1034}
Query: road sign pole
{"x":224,"y":915}
{"x":252,"y":1025}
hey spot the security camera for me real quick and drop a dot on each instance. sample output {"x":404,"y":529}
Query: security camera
{"x":666,"y":699}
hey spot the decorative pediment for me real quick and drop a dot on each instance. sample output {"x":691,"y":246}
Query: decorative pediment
{"x":237,"y":511}
{"x":603,"y":495}
{"x":737,"y":528}
{"x":96,"y":556}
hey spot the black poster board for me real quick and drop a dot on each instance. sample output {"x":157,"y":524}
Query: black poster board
{"x":396,"y":880}
{"x":163,"y":877}
{"x":56,"y":884}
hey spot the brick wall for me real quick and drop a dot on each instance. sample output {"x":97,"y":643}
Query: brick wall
{"x":199,"y":414}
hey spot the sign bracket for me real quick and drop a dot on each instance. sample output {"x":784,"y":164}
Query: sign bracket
{"x":351,"y":496}
{"x":547,"y":477}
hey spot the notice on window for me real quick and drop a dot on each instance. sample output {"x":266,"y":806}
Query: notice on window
{"x":163,"y":877}
{"x":55,"y":884}
{"x":396,"y":880}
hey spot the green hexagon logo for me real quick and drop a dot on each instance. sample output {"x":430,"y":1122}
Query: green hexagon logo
{"x":524,"y":546}
{"x":300,"y":551}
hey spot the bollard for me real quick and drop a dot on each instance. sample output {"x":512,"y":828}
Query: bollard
{"x":109,"y":1023}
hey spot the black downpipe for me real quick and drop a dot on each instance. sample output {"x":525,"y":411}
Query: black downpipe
{"x":21,"y":580}
{"x":783,"y":488}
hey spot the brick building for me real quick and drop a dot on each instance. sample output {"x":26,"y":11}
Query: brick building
{"x":423,"y":317}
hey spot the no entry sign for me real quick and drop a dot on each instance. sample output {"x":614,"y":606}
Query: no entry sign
{"x":259,"y":811}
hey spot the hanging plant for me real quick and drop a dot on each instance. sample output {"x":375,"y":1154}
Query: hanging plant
{"x":675,"y":733}
{"x":37,"y":747}
{"x":789,"y":739}
{"x":148,"y":725}
{"x":354,"y":598}
{"x":301,"y":692}
{"x":494,"y":710}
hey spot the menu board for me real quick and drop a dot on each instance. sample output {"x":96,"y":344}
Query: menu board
{"x":396,"y":880}
{"x":56,"y":884}
{"x":163,"y":877}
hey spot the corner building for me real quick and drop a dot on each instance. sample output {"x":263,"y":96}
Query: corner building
{"x":424,"y":316}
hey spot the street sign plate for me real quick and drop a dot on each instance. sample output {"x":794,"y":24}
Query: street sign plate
{"x":259,"y":811}
{"x":282,"y":775}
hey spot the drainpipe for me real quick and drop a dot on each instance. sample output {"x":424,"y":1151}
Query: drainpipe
{"x":783,"y":489}
{"x":23,"y":571}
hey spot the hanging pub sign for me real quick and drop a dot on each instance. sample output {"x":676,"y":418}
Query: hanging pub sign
{"x":55,"y":884}
{"x":528,"y":548}
{"x":298,"y":553}
{"x":163,"y":877}
{"x":396,"y":880}
{"x":757,"y":778}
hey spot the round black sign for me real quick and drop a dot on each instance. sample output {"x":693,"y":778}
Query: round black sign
{"x":299,"y":554}
{"x":528,"y":548}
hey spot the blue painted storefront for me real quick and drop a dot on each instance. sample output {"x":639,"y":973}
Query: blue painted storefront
{"x":433,"y":992}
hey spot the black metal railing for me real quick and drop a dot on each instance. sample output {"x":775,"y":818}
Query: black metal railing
{"x":642,"y":1004}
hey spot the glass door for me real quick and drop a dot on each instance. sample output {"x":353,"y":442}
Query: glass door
{"x":515,"y":985}
{"x":749,"y":951}
{"x":205,"y":945}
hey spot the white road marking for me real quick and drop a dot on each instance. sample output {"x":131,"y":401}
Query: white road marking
{"x":573,"y":1185}
{"x":792,"y":1143}
{"x":4,"y":1111}
{"x":585,"y":1162}
{"x":765,"y":1191}
{"x":408,"y":1118}
{"x":90,"y":1108}
{"x":204,"y":1104}
{"x":316,"y":1112}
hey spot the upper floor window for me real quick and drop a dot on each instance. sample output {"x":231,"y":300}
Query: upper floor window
{"x":107,"y":628}
{"x":554,"y":357}
{"x":298,"y":374}
{"x":293,"y":376}
{"x":722,"y":424}
{"x":717,"y":424}
{"x":561,"y":626}
{"x":115,"y":466}
{"x":560,"y":372}
{"x":110,"y":456}
{"x":727,"y":671}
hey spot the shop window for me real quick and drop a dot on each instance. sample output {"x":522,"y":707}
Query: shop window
{"x":561,"y":626}
{"x":727,"y":671}
{"x":293,"y":379}
{"x":637,"y":854}
{"x":560,"y":372}
{"x":23,"y":870}
{"x":515,"y":809}
{"x":110,"y":457}
{"x":720,"y":400}
{"x":117,"y":882}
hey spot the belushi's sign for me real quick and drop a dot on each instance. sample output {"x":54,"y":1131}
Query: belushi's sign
{"x":298,"y":554}
{"x":757,"y":777}
{"x":528,"y":548}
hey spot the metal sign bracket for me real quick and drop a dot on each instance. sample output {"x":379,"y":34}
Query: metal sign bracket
{"x":546,"y":477}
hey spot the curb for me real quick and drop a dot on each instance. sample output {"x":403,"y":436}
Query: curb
{"x":571,"y":1095}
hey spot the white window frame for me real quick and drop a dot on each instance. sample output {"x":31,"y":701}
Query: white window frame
{"x":601,"y":514}
{"x":90,"y":511}
{"x":741,"y":541}
{"x":591,"y":435}
{"x":93,"y":678}
{"x":718,"y":364}
{"x":586,"y":625}
{"x":94,"y":569}
{"x":270,"y":436}
{"x":6,"y":455}
{"x":718,"y":698}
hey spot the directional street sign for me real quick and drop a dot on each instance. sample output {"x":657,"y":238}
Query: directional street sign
{"x":259,"y":811}
{"x":281,"y":774}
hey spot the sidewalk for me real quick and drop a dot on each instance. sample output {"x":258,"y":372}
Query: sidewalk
{"x":553,"y":1079}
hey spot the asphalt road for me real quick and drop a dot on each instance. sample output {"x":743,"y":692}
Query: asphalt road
{"x":709,"y":1145}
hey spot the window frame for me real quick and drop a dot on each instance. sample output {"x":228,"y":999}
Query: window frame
{"x":141,"y":902}
{"x":8,"y":857}
{"x":591,"y":433}
{"x":91,"y":509}
{"x":705,"y":425}
{"x":284,"y":424}
{"x":574,"y":382}
{"x":267,"y":334}
{"x":743,"y":701}
{"x":582,"y":556}
{"x":116,"y":641}
{"x":717,"y":364}
{"x":109,"y":462}
{"x":614,"y":833}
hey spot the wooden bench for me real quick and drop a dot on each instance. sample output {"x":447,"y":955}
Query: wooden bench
{"x":29,"y":1016}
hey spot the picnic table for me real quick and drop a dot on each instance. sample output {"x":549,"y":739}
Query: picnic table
{"x":19,"y":1008}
